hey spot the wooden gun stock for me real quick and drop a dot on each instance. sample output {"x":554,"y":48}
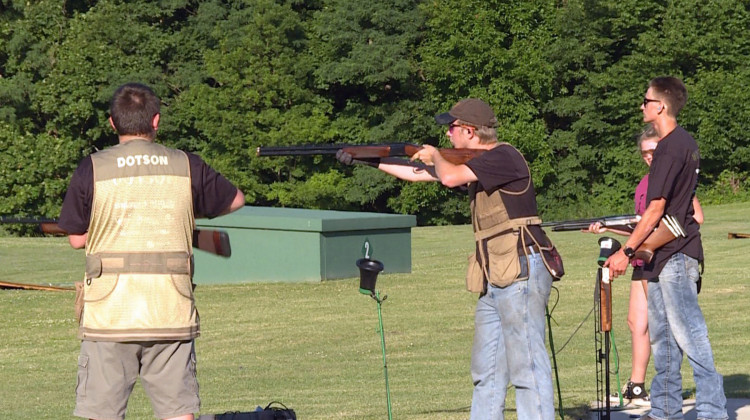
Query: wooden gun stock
{"x":666,"y":231}
{"x":51,"y":228}
{"x":605,"y":300}
{"x":455,"y":156}
{"x":212,"y":241}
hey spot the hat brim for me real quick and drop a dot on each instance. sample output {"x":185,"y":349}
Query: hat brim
{"x":444,"y":118}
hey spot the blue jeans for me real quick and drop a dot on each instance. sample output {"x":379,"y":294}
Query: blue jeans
{"x":509,"y":347}
{"x":677,"y":326}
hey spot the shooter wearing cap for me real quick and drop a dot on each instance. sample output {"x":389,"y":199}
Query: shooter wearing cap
{"x":508,"y":269}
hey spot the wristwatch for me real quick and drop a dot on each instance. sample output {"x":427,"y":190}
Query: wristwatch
{"x":629,"y":252}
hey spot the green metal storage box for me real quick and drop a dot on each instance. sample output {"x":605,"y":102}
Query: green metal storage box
{"x":299,"y":245}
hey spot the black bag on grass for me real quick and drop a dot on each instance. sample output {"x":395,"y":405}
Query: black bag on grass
{"x":273,"y":411}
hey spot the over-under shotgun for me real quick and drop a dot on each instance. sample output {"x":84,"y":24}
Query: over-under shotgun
{"x":624,"y":223}
{"x":455,"y":156}
{"x":213,"y":241}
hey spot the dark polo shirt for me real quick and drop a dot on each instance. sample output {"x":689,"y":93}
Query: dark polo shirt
{"x":674,"y":176}
{"x":503,"y":167}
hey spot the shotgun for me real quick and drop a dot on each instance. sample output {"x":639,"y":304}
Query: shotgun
{"x":373,"y":151}
{"x":666,"y":231}
{"x":624,"y":223}
{"x":212,"y":241}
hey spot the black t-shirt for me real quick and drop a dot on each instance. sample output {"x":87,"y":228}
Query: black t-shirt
{"x":504,"y":167}
{"x":212,"y":194}
{"x":673,"y":176}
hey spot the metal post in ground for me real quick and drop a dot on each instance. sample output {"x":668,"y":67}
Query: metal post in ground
{"x":368,"y":274}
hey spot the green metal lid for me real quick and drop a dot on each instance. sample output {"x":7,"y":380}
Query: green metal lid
{"x":279,"y":218}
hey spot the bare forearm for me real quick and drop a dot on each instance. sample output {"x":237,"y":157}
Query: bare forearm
{"x":408,"y":171}
{"x":452,"y":175}
{"x":648,"y":222}
{"x":697,"y":211}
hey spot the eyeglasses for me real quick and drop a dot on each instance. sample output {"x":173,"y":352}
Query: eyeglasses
{"x":647,"y":100}
{"x":647,"y":152}
{"x":452,"y":126}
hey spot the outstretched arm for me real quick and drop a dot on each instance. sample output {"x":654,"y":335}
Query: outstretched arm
{"x":408,"y":171}
{"x":449,"y":174}
{"x":597,"y":227}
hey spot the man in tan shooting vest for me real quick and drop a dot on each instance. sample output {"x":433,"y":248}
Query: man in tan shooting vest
{"x":507,"y":269}
{"x":133,"y":207}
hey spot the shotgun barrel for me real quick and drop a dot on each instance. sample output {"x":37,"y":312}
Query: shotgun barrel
{"x":623,"y":222}
{"x":373,"y":151}
{"x":212,"y":241}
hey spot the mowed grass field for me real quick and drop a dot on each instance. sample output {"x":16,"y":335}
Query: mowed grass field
{"x":316,"y":346}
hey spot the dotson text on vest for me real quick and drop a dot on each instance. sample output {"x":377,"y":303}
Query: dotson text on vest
{"x":137,"y":160}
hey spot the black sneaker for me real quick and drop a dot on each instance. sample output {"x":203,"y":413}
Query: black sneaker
{"x":632,"y":394}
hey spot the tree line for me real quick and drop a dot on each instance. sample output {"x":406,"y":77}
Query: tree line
{"x":565,"y":77}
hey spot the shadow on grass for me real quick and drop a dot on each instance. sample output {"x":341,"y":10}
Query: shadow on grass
{"x":579,"y":412}
{"x":737,"y":386}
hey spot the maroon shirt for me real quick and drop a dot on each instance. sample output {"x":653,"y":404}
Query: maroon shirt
{"x":640,"y":196}
{"x":212,"y":194}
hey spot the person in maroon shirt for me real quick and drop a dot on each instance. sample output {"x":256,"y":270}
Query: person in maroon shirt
{"x":675,"y":321}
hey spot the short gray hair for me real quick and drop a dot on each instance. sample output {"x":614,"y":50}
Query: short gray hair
{"x":486,"y":134}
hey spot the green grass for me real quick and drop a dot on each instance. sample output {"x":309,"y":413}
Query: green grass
{"x":316,"y":347}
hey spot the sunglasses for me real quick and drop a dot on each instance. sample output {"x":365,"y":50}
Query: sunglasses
{"x":647,"y":100}
{"x":452,"y":126}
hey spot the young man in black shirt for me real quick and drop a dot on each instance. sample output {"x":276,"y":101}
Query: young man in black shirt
{"x":133,"y":208}
{"x":675,"y":321}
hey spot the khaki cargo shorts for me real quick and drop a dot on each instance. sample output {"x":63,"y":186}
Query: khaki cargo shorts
{"x":107,"y":372}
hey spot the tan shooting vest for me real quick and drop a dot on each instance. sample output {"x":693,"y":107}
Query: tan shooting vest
{"x":138,"y":284}
{"x":497,"y":238}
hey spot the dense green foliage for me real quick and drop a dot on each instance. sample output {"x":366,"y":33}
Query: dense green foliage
{"x":565,"y":78}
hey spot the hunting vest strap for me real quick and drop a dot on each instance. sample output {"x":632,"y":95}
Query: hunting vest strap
{"x":507,"y":227}
{"x":139,"y":262}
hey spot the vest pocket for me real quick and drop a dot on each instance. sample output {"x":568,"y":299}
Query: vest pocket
{"x":474,"y":275}
{"x":99,"y":288}
{"x":82,"y":377}
{"x":504,"y":266}
{"x":183,"y":284}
